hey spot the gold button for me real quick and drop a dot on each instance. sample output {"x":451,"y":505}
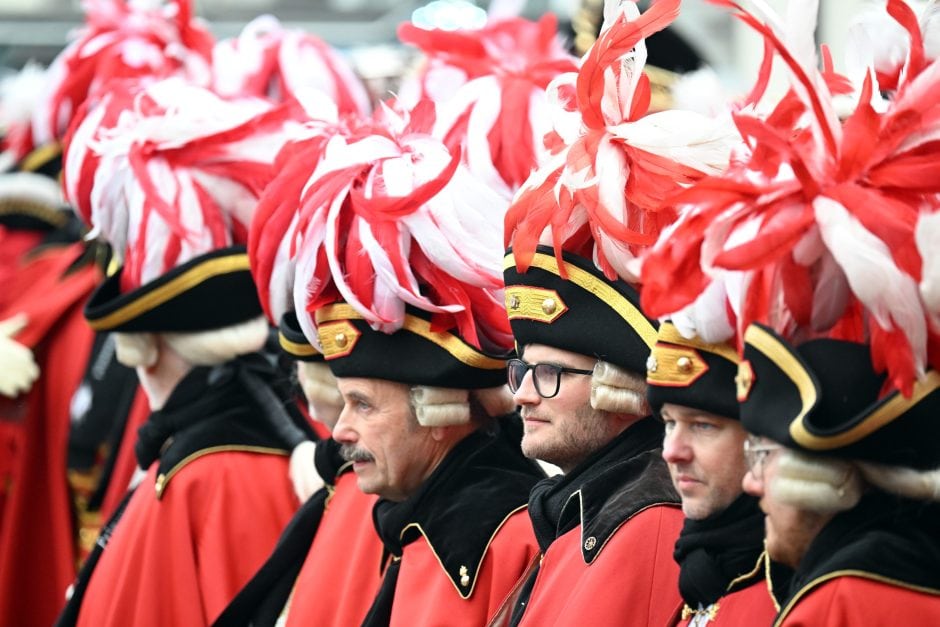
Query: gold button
{"x":464,"y":577}
{"x":161,"y":481}
{"x":549,"y":306}
{"x":514,"y":302}
{"x":684,"y":364}
{"x":651,"y":364}
{"x":341,"y":340}
{"x":589,"y":543}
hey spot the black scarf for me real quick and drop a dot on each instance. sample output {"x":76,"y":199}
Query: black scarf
{"x":248,"y":384}
{"x":601,"y":479}
{"x":885,"y":536}
{"x":712,"y":552}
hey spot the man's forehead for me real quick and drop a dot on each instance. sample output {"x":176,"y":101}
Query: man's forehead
{"x":370,"y":388}
{"x":545,"y":353}
{"x":683,"y":412}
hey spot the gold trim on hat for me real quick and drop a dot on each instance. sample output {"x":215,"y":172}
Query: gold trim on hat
{"x":451,"y":343}
{"x":534,"y":303}
{"x":670,"y":334}
{"x":778,"y":353}
{"x":296,"y":348}
{"x":678,"y":360}
{"x":171,"y":289}
{"x":602,"y":290}
{"x":676,"y":366}
{"x":338,"y":338}
{"x":52,"y":216}
{"x":894,"y":407}
{"x":40,"y":156}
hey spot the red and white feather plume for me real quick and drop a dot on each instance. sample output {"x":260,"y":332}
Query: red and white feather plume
{"x":268,"y":61}
{"x":601,"y":194}
{"x":826,"y":228}
{"x":386,"y":216}
{"x":490,"y":86}
{"x":271,"y":240}
{"x":878,"y":40}
{"x":122,"y":39}
{"x":167,"y":171}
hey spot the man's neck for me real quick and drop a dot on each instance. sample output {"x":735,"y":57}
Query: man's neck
{"x":160,"y":379}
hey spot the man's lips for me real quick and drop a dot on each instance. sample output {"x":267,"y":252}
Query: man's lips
{"x":530,"y":418}
{"x":684,"y":481}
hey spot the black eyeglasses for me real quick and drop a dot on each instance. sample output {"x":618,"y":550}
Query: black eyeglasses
{"x":546,"y":377}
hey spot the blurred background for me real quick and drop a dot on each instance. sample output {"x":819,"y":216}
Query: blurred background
{"x":38,"y":29}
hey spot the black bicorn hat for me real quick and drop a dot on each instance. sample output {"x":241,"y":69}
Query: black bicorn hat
{"x":211,"y":291}
{"x":824,"y":397}
{"x":292,"y":340}
{"x":415,"y":354}
{"x":585,"y":313}
{"x":692,"y":373}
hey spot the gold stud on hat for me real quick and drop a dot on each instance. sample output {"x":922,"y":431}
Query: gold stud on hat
{"x":684,"y":364}
{"x":341,"y":340}
{"x":549,"y":306}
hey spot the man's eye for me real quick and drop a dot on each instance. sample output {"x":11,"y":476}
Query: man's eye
{"x":670,"y":425}
{"x":705,"y":426}
{"x":363,"y":406}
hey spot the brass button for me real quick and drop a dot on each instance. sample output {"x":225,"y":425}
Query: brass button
{"x":161,"y":481}
{"x":341,"y":340}
{"x":464,"y":577}
{"x":549,"y":306}
{"x":590,"y":543}
{"x":684,"y":364}
{"x":514,"y":302}
{"x":651,"y":364}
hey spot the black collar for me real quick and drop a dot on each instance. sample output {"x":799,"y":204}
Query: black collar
{"x":884,"y":537}
{"x":603,"y":492}
{"x":461,"y":506}
{"x":208,"y":411}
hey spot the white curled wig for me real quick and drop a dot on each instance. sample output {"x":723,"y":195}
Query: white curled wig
{"x":618,"y":390}
{"x":818,"y":484}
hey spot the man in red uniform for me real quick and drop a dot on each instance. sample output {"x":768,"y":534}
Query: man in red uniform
{"x":848,"y":480}
{"x":606,"y":528}
{"x":721,"y":548}
{"x":185,"y":312}
{"x":395,"y":252}
{"x":834,"y":296}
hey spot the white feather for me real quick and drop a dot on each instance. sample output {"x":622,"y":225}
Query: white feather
{"x":927,"y":236}
{"x":888,"y":293}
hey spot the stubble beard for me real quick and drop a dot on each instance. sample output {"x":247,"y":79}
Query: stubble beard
{"x":569,"y":442}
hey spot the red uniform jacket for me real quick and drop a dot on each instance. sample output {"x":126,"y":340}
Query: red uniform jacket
{"x":422,"y":579}
{"x":852,"y":601}
{"x":341,"y":574}
{"x":179,"y":559}
{"x":632,"y":581}
{"x":37,"y":544}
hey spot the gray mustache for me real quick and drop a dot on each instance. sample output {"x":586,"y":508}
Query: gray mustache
{"x":351,"y":453}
